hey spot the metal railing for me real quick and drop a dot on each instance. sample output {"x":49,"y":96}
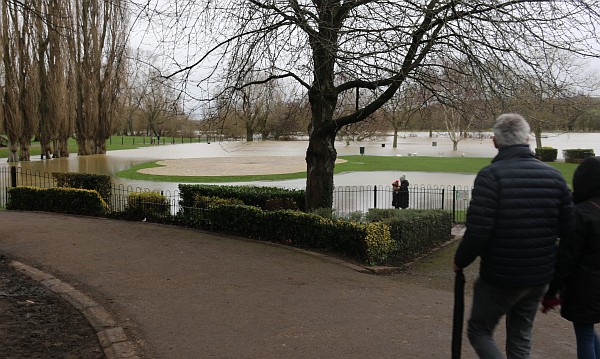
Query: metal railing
{"x":346,"y":199}
{"x":350,"y":199}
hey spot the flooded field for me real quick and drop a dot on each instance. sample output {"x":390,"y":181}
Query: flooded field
{"x":409,"y":144}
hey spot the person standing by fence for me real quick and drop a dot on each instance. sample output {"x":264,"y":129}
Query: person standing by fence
{"x":403,"y":195}
{"x":577,"y":274}
{"x":520,"y":206}
{"x":396,"y":194}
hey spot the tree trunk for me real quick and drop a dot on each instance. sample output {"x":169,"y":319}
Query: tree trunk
{"x":24,"y":152}
{"x":455,"y":145}
{"x":46,"y":149}
{"x":321,"y":153}
{"x":320,"y":161}
{"x":12,"y":151}
{"x":249,"y":133}
{"x":56,"y":153}
{"x":395,"y":144}
{"x":61,"y":148}
{"x":323,"y":97}
{"x":537,"y":131}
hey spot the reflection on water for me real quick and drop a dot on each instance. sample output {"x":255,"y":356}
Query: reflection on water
{"x":97,"y":164}
{"x":419,"y":144}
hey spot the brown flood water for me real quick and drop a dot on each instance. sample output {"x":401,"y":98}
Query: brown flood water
{"x":418,"y":144}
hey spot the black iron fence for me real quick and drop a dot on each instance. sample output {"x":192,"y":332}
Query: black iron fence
{"x":346,"y":200}
{"x":362,"y":198}
{"x":120,"y":198}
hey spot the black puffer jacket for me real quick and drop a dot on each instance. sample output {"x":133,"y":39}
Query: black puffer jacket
{"x":578,"y":266}
{"x":520,"y":207}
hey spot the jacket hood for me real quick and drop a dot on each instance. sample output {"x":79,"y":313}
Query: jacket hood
{"x":586,"y":180}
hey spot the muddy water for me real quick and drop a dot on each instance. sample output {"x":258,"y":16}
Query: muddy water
{"x":409,"y":144}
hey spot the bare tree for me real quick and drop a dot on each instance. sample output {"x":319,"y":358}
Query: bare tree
{"x":331,"y":47}
{"x":11,"y":119}
{"x":55,"y":110}
{"x":463,"y":97}
{"x":61,"y":61}
{"x":97,"y":46}
{"x":404,"y":107}
{"x":289,"y":116}
{"x":574,"y":108}
{"x":554,"y":96}
{"x":255,"y":104}
{"x":21,"y":87}
{"x":346,"y":104}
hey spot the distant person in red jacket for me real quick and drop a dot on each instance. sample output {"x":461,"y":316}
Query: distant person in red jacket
{"x":396,"y":194}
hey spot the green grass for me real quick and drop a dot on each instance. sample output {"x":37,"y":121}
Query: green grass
{"x":414,"y":164}
{"x":353,"y":164}
{"x":112,"y":144}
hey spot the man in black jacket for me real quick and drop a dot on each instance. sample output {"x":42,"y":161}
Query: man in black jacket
{"x":520,"y":206}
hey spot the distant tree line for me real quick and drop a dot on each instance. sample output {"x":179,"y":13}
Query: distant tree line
{"x":460,"y":104}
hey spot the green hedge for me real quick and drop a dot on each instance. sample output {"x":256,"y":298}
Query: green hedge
{"x":99,"y":183}
{"x":201,"y":201}
{"x":546,"y":154}
{"x":250,"y":195}
{"x":366,"y":242}
{"x":62,"y":200}
{"x":577,"y":155}
{"x":414,"y":232}
{"x":149,"y":205}
{"x":390,"y":237}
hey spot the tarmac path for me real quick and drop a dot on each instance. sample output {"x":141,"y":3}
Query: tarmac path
{"x":183,"y":293}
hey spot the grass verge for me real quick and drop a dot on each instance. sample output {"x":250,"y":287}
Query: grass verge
{"x":114,"y":143}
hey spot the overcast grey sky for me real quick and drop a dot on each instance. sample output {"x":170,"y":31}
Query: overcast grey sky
{"x":147,"y":32}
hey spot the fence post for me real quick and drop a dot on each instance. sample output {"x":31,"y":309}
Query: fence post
{"x":443,"y":192}
{"x":454,"y":204}
{"x":375,"y":197}
{"x":13,"y":176}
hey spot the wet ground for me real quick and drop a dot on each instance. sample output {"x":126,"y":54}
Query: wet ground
{"x":36,"y":323}
{"x":419,"y":144}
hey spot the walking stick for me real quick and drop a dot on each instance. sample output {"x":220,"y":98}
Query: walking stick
{"x":459,"y":311}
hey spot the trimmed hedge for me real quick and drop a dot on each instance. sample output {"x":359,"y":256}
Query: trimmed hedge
{"x":201,"y":201}
{"x":99,"y":183}
{"x":62,"y":200}
{"x":414,"y":232}
{"x":577,"y":155}
{"x":392,"y":237}
{"x":366,"y":242}
{"x":546,"y":154}
{"x":148,"y":204}
{"x":250,"y":195}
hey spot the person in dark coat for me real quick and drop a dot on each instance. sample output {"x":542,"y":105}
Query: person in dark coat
{"x":403,"y":192}
{"x":519,"y":208}
{"x":396,"y":194}
{"x":577,"y":275}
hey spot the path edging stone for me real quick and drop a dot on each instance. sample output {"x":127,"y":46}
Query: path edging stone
{"x":111,"y":336}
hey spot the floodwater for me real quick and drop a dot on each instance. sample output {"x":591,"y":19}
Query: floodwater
{"x":409,"y":144}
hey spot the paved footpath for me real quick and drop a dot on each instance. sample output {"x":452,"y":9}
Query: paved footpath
{"x":183,"y":293}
